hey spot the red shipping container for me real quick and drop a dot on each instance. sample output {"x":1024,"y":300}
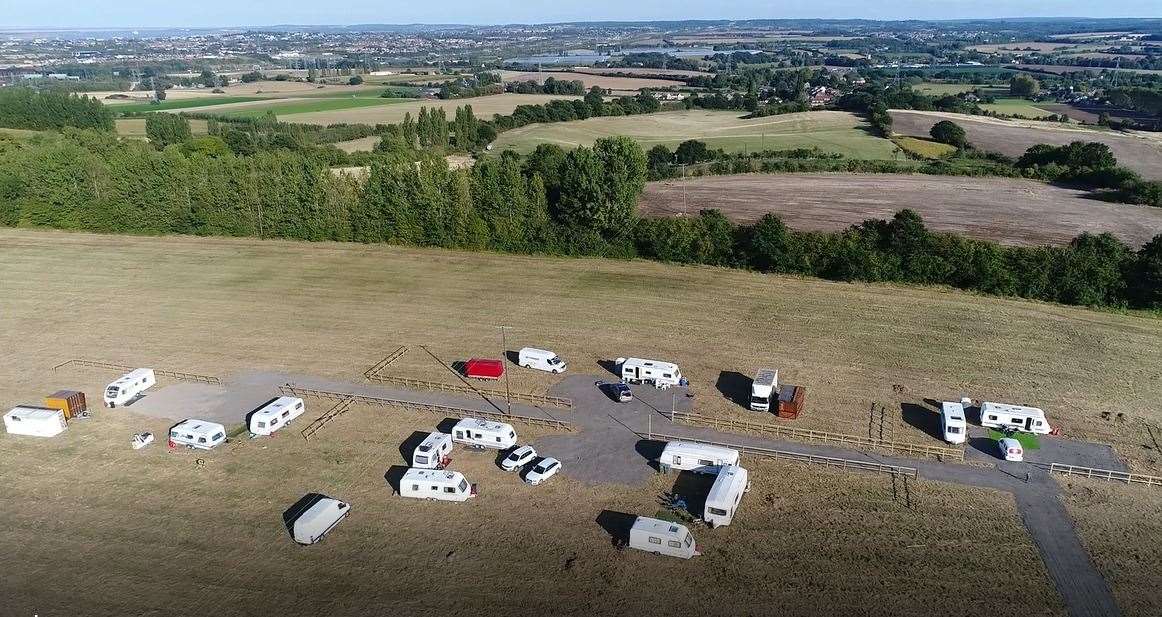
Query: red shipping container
{"x":791,"y":399}
{"x":484,"y":368}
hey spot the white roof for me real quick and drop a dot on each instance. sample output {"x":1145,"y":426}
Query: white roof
{"x":134,"y":375}
{"x":318,"y":518}
{"x":276,"y":406}
{"x":432,"y":441}
{"x":483,"y":425}
{"x":1009,"y":442}
{"x":533,"y":351}
{"x":766,"y":377}
{"x":433,"y":475}
{"x":658,"y":526}
{"x":689,"y":447}
{"x":199,"y":427}
{"x":728,"y":477}
{"x":658,"y":364}
{"x":26,"y":412}
{"x":953,"y":411}
{"x":1014,"y":409}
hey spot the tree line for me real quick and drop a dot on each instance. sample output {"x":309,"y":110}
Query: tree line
{"x":24,"y":108}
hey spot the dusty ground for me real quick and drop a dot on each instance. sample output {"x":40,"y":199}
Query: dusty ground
{"x":482,"y":106}
{"x":607,"y":82}
{"x":1010,"y":211}
{"x":1139,"y":151}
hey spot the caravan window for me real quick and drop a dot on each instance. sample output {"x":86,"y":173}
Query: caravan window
{"x":463,"y":485}
{"x":667,"y":375}
{"x":219,"y":436}
{"x":674,"y":544}
{"x":273,"y":421}
{"x":415,"y":487}
{"x":689,"y":539}
{"x":298,"y":405}
{"x":992,"y":417}
{"x":955,"y":430}
{"x":285,"y":414}
{"x":449,"y":489}
{"x":201,"y":440}
{"x":654,"y":540}
{"x":717,"y":511}
{"x":677,"y":460}
{"x":261,"y":425}
{"x":421,"y":460}
{"x":705,"y":463}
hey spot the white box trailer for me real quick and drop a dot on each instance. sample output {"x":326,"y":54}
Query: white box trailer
{"x":696,"y":457}
{"x":319,"y":519}
{"x":275,"y":414}
{"x":35,"y":421}
{"x":953,"y":424}
{"x":436,"y":484}
{"x":433,"y":452}
{"x":128,"y":386}
{"x":1015,"y":417}
{"x":484,"y":434}
{"x":725,"y":495}
{"x":662,"y":538}
{"x":764,"y":386}
{"x":660,"y":374}
{"x":199,"y":434}
{"x":541,"y":360}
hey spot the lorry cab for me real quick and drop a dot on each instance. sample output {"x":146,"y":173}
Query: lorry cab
{"x":953,"y":425}
{"x":763,"y":387}
{"x":541,"y":360}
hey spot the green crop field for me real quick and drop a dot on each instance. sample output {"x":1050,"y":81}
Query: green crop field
{"x":1016,"y":107}
{"x":831,"y":131}
{"x":941,"y":89}
{"x":182,"y":103}
{"x":312,"y":106}
{"x":924,"y":147}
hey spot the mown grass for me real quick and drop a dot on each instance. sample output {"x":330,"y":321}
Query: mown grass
{"x":317,"y":105}
{"x":182,"y":104}
{"x":1028,"y":441}
{"x":1015,"y":107}
{"x":924,"y":148}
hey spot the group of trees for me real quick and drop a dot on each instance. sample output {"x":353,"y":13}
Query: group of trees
{"x":24,"y":108}
{"x":592,"y":106}
{"x":552,"y":85}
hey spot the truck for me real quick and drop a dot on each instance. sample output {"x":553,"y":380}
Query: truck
{"x":762,"y":388}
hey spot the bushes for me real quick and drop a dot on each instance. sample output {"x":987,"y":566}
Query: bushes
{"x":947,"y":132}
{"x":165,"y":129}
{"x":22,"y":108}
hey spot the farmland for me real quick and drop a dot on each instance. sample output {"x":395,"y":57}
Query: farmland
{"x":590,"y":80}
{"x":1016,"y":107}
{"x":135,"y":127}
{"x":831,"y":131}
{"x":1033,"y":212}
{"x":290,"y":107}
{"x":482,"y":106}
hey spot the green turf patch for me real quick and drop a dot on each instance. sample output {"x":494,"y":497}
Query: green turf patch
{"x":1028,"y":441}
{"x":181,"y":104}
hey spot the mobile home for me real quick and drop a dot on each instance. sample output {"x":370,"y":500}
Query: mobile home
{"x":952,"y":422}
{"x":725,"y":495}
{"x":436,"y":484}
{"x":662,"y":538}
{"x":484,"y":434}
{"x":660,"y":374}
{"x":541,"y":360}
{"x":696,"y":457}
{"x":433,"y":452}
{"x":129,"y":386}
{"x":35,"y":421}
{"x":762,"y":388}
{"x":275,"y":414}
{"x":198,"y":434}
{"x":319,"y":519}
{"x":1016,"y":417}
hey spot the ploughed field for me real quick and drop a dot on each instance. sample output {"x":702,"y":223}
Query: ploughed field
{"x":1006,"y":210}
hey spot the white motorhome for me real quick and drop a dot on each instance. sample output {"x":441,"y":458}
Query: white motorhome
{"x":35,"y":421}
{"x":696,"y":457}
{"x":762,"y":388}
{"x":725,"y":495}
{"x":433,"y":452}
{"x":952,"y":422}
{"x":484,"y":434}
{"x":319,"y":519}
{"x":541,"y":360}
{"x":129,"y":386}
{"x":660,"y":374}
{"x":198,"y":434}
{"x":275,"y":414}
{"x":436,"y":484}
{"x":1016,"y":417}
{"x":662,"y":538}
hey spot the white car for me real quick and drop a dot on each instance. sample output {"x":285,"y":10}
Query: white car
{"x":518,"y":458}
{"x":547,"y":468}
{"x":140,"y":440}
{"x":1011,"y":449}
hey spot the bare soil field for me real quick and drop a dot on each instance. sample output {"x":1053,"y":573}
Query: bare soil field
{"x":482,"y":106}
{"x":1006,"y":210}
{"x":606,"y":82}
{"x":1139,"y":151}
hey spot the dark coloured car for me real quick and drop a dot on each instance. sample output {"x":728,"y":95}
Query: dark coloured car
{"x":616,"y":391}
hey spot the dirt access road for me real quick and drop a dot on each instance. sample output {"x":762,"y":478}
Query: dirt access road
{"x":1006,"y":210}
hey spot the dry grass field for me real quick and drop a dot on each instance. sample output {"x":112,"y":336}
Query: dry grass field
{"x":217,"y":306}
{"x":607,"y":82}
{"x":1020,"y":46}
{"x":482,"y":106}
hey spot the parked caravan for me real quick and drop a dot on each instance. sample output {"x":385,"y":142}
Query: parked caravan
{"x":762,"y":388}
{"x":434,"y":452}
{"x":696,"y":457}
{"x":660,"y":374}
{"x":484,"y":434}
{"x":1016,"y":417}
{"x":128,"y":386}
{"x":662,"y":538}
{"x":71,"y":402}
{"x":198,"y":434}
{"x":319,"y":519}
{"x":952,"y":422}
{"x":275,"y":414}
{"x":35,"y":421}
{"x":436,"y":484}
{"x":541,"y":360}
{"x":725,"y":494}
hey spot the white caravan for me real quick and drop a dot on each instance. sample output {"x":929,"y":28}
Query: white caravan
{"x":722,"y":501}
{"x":764,"y":385}
{"x":1016,"y":417}
{"x":35,"y":421}
{"x":662,"y":538}
{"x":484,"y":434}
{"x":433,"y":451}
{"x":275,"y":414}
{"x":696,"y":457}
{"x":319,"y":519}
{"x":952,"y":422}
{"x":128,"y":386}
{"x":198,"y":434}
{"x":436,"y":484}
{"x":541,"y":360}
{"x":660,"y":374}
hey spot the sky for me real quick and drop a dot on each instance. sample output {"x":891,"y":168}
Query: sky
{"x":215,"y":13}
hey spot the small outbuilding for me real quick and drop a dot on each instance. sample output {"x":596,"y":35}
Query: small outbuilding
{"x":35,"y":421}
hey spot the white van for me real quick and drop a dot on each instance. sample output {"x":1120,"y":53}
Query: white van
{"x":541,"y":360}
{"x":198,"y":434}
{"x":952,"y":422}
{"x":319,"y":519}
{"x":1016,"y":417}
{"x":725,"y":494}
{"x":436,"y":484}
{"x":662,"y":538}
{"x":696,"y":457}
{"x":660,"y":374}
{"x":128,"y":386}
{"x":433,"y":452}
{"x":35,"y":421}
{"x":275,"y":414}
{"x":484,"y":434}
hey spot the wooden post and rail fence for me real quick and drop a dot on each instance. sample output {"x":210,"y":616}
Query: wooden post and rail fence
{"x":180,"y":375}
{"x":1101,"y":474}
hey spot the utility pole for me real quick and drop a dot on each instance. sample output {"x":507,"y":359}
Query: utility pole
{"x":503,"y":358}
